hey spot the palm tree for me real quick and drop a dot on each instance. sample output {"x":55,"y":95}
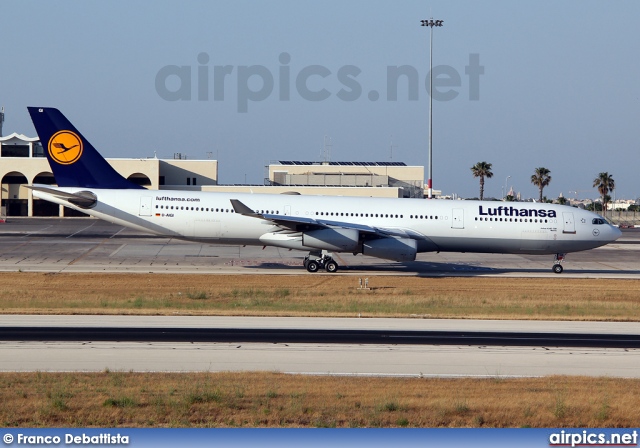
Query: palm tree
{"x":541,"y":179}
{"x":482,"y":170}
{"x":605,"y":184}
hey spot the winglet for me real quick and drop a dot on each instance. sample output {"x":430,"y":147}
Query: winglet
{"x":242,"y":209}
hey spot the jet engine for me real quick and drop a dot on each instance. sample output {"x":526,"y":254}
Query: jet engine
{"x":397,"y":249}
{"x":339,"y":240}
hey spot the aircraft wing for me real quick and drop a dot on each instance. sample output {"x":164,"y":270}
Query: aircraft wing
{"x":298,"y":223}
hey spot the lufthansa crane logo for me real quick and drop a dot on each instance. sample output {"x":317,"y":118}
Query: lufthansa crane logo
{"x":65,"y":147}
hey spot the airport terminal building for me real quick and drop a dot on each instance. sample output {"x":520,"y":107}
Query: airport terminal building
{"x":23,"y":162}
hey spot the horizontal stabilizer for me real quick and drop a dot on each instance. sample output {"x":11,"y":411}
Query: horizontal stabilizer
{"x":83,"y":199}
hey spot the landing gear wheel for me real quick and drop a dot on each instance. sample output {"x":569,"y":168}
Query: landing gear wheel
{"x":557,"y":267}
{"x":331,"y":266}
{"x":312,"y":266}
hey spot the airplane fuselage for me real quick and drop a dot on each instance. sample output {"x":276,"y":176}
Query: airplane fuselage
{"x":435,"y":225}
{"x":391,"y":229}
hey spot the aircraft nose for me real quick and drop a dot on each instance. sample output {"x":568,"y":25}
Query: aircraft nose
{"x":615,"y":233}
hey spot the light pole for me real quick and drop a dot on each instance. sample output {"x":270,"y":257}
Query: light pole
{"x":505,"y":186}
{"x":430,"y":23}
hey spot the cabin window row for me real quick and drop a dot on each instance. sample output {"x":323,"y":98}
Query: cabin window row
{"x":423,"y":217}
{"x":513,"y":219}
{"x":360,"y":215}
{"x":197,"y":209}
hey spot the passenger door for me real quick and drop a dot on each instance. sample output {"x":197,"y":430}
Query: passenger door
{"x":569,"y":224}
{"x":458,"y":219}
{"x":145,"y":206}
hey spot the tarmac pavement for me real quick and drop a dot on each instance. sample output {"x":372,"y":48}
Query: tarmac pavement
{"x":91,"y":245}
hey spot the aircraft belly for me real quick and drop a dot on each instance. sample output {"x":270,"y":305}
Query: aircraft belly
{"x":208,"y":229}
{"x":477,"y":244}
{"x":536,"y":240}
{"x":426,"y":245}
{"x":543,"y":245}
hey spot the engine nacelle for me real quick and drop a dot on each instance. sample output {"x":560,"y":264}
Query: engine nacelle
{"x":339,"y":240}
{"x":396,"y":249}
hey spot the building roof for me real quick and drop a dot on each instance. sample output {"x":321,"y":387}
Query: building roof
{"x":295,"y":162}
{"x":22,"y":137}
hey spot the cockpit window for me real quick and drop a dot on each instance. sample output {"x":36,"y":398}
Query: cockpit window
{"x":598,"y":221}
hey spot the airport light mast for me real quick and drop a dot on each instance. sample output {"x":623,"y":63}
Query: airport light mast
{"x":506,"y":184}
{"x":430,"y":23}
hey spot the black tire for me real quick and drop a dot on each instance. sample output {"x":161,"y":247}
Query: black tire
{"x":312,"y":266}
{"x":557,"y":268}
{"x":331,"y":266}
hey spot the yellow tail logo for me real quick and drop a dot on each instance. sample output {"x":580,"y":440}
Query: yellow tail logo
{"x":65,"y":147}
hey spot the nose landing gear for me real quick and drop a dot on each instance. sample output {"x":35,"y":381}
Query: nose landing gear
{"x":557,"y":266}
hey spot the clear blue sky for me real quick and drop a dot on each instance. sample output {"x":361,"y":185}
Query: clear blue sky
{"x":560,"y":88}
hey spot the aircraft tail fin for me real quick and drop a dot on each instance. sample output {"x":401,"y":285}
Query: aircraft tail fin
{"x":73,"y":160}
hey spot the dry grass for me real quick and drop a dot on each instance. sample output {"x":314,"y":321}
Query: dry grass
{"x":270,"y":399}
{"x":278,"y":400}
{"x":320,"y":295}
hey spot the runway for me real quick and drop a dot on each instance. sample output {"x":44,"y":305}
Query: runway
{"x":90,"y":245}
{"x":471,"y":360}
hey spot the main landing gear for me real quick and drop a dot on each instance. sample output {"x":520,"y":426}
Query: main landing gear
{"x":557,"y":266}
{"x":320,"y":260}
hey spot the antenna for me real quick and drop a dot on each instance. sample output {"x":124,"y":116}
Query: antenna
{"x":1,"y":119}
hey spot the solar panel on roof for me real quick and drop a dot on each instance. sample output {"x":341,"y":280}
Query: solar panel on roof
{"x":303,"y":163}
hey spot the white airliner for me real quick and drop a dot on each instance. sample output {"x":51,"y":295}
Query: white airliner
{"x":391,"y":229}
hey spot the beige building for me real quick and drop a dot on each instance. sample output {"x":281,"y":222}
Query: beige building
{"x":395,"y":179}
{"x":382,"y":192}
